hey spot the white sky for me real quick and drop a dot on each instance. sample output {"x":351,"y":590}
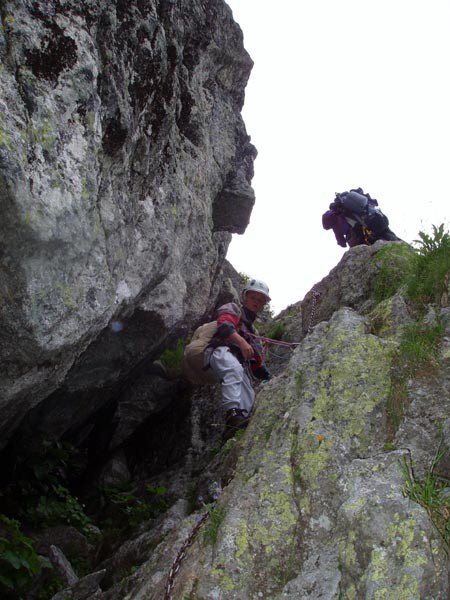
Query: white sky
{"x":343,"y":94}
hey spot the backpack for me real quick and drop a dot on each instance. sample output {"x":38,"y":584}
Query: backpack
{"x":375,"y":221}
{"x":353,"y":202}
{"x":365,"y":210}
{"x":192,"y":363}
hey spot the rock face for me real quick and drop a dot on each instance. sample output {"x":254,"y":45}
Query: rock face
{"x":313,"y":503}
{"x":124,"y":167}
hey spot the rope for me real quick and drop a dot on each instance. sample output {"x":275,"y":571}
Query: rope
{"x":275,"y":342}
{"x":271,"y":353}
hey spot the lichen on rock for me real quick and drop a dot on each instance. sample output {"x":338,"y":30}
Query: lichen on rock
{"x":120,"y":137}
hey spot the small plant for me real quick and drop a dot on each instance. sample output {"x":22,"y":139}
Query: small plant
{"x":134,"y":509}
{"x":397,"y":400}
{"x":419,"y":347}
{"x":396,"y":264}
{"x":428,"y":244}
{"x":418,"y":354}
{"x":19,"y":562}
{"x":57,"y":506}
{"x":215,"y":519}
{"x":244,"y":278}
{"x":424,"y":271}
{"x":299,"y":378}
{"x":432,"y":492}
{"x":276,"y":332}
{"x":132,"y":570}
{"x":295,"y":467}
{"x":39,"y":496}
{"x":171,"y":357}
{"x":431,"y":278}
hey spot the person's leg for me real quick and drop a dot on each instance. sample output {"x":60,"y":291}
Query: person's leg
{"x":247,"y":393}
{"x":389,"y":236}
{"x":237,"y":391}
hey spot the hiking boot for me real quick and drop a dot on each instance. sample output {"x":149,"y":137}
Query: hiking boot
{"x":235,"y":418}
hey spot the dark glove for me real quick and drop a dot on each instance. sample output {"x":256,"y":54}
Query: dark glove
{"x":263,"y":373}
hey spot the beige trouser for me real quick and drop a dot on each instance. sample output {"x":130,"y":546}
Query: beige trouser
{"x":237,"y":391}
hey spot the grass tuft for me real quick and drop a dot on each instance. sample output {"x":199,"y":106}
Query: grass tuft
{"x":418,"y":355}
{"x":215,"y":518}
{"x":430,"y":283}
{"x":432,"y":492}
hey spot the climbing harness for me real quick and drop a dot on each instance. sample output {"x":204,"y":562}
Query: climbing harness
{"x":180,"y":556}
{"x":315,"y":297}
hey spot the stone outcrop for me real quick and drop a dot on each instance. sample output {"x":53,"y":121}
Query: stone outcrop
{"x":312,"y":502}
{"x":124,"y":168}
{"x":355,"y":281}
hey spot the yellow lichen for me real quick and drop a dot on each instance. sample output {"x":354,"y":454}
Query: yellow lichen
{"x":347,"y":552}
{"x":242,"y":540}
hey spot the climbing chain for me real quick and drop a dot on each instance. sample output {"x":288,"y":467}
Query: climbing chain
{"x":315,"y":297}
{"x":180,"y":556}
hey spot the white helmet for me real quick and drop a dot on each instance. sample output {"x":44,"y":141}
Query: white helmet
{"x":256,"y":285}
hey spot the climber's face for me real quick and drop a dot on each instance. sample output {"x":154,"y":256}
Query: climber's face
{"x":254,"y":301}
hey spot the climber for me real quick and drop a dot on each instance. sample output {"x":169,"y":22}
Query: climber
{"x":234,"y":355}
{"x":356,"y":219}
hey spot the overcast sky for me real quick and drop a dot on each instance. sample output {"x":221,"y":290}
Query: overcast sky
{"x":344,"y":93}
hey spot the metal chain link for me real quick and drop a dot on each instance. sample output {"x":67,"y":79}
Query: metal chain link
{"x":315,"y":297}
{"x":180,"y":556}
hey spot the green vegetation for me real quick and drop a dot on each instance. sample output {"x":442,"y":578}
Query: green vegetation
{"x":244,"y":278}
{"x":431,"y":278}
{"x":215,"y":518}
{"x":18,"y":559}
{"x":296,"y":470}
{"x":40,"y":496}
{"x":276,"y":331}
{"x":423,"y":270}
{"x":396,"y":264}
{"x":171,"y":357}
{"x":60,"y":506}
{"x":126,"y":508}
{"x":425,"y":280}
{"x":299,"y":377}
{"x":432,"y":492}
{"x":419,"y":347}
{"x":417,"y":355}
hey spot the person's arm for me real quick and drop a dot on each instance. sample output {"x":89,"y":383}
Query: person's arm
{"x":227,"y":324}
{"x":246,"y":350}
